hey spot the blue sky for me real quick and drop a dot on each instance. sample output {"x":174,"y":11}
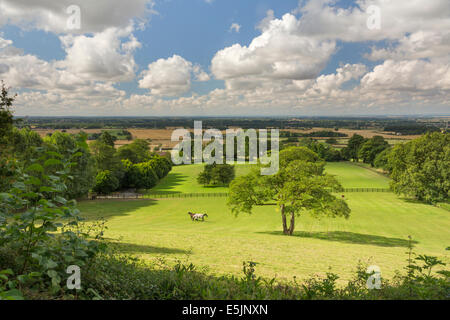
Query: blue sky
{"x":178,"y":57}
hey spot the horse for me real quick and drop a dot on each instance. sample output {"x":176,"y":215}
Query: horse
{"x":192,"y":215}
{"x":201,"y":216}
{"x":197,"y":216}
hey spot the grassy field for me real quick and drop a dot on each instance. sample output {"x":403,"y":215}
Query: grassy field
{"x":377,"y":230}
{"x":353,"y":176}
{"x":183,"y":179}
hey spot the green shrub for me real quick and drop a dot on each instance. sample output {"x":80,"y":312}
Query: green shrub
{"x":106,"y":182}
{"x":40,"y":231}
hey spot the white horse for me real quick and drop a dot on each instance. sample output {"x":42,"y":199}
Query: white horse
{"x":197,"y":216}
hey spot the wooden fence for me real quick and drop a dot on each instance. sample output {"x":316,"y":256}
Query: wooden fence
{"x":168,"y":195}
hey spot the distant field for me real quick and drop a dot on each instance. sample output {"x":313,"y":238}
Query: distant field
{"x":183,"y":179}
{"x":377,"y":230}
{"x":162,"y":137}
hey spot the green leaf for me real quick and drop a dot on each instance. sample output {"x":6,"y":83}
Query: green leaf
{"x":52,"y":273}
{"x":13,"y":294}
{"x":33,"y":181}
{"x":52,"y":162}
{"x":47,"y":189}
{"x":35,"y":167}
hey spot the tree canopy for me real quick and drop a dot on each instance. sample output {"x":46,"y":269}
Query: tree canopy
{"x":421,"y":167}
{"x":216,"y":174}
{"x":299,"y":186}
{"x":371,"y":148}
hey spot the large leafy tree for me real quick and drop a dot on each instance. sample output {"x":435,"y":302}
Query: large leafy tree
{"x":84,"y":171}
{"x":216,"y":174}
{"x":421,"y":167}
{"x":25,"y":143}
{"x":351,"y":152}
{"x":7,"y":161}
{"x":107,"y":138}
{"x":137,"y":152}
{"x":300,"y":186}
{"x":371,"y":148}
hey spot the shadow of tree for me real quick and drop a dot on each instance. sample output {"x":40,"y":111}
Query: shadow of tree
{"x":167,"y":184}
{"x":133,"y":248}
{"x":351,"y":237}
{"x":103,"y":209}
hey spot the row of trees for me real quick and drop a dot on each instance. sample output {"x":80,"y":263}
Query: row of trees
{"x":98,"y":167}
{"x":367,"y":150}
{"x":358,"y":148}
{"x":132,"y":166}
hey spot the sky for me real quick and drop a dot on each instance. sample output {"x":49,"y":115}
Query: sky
{"x":226,"y":57}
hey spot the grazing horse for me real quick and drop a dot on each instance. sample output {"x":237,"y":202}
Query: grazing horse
{"x":197,"y":216}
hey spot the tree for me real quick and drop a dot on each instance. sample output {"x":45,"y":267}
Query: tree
{"x":421,"y":168}
{"x":371,"y":148}
{"x":331,"y":141}
{"x":353,"y":146}
{"x":7,"y":161}
{"x":137,"y":152}
{"x":25,"y":142}
{"x":299,"y":186}
{"x":216,"y":174}
{"x":381,"y":160}
{"x":105,"y":156}
{"x":107,"y":138}
{"x":148,"y":176}
{"x":84,"y":171}
{"x":106,"y":182}
{"x":6,"y":117}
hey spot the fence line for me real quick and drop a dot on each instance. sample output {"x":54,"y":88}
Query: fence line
{"x":210,"y":195}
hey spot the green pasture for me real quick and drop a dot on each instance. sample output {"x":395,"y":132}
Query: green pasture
{"x":377,"y":231}
{"x":183,"y":179}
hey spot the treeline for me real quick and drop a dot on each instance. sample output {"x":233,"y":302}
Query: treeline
{"x":316,"y":134}
{"x":98,"y":167}
{"x":132,"y":166}
{"x":419,"y":168}
{"x":117,"y":135}
{"x":393,"y":125}
{"x":411,"y":128}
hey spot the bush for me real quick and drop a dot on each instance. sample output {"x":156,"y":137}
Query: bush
{"x":40,"y":231}
{"x":148,"y":177}
{"x":106,"y":182}
{"x":216,"y":174}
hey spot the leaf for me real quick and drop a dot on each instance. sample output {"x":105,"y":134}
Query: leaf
{"x":50,"y":264}
{"x":52,"y":162}
{"x":35,"y":167}
{"x":33,"y":181}
{"x":52,"y":274}
{"x":54,"y":154}
{"x":7,"y":271}
{"x":60,"y":199}
{"x":47,"y":189}
{"x":13,"y":294}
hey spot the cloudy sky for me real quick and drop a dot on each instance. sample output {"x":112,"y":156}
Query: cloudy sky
{"x":226,"y":57}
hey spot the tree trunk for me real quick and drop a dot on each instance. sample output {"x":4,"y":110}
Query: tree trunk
{"x":292,"y":225}
{"x":283,"y":216}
